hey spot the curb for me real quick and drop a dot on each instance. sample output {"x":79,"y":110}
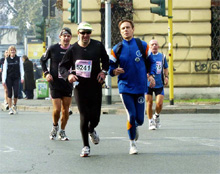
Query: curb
{"x":119,"y":110}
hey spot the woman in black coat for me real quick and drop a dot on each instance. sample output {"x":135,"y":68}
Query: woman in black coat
{"x":29,"y":82}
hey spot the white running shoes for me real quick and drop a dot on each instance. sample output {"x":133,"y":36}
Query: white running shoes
{"x":14,"y":108}
{"x":156,"y":119}
{"x":11,"y":112}
{"x":53,"y":133}
{"x":152,"y":125}
{"x":62,"y":136}
{"x":85,"y":151}
{"x":133,"y":149}
{"x":94,"y":137}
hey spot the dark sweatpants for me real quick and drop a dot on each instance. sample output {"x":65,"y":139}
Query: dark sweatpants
{"x":89,"y":105}
{"x":12,"y":84}
{"x":29,"y":94}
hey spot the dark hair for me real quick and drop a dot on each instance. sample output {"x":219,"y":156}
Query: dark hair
{"x":65,"y":30}
{"x":126,"y":20}
{"x":25,"y":57}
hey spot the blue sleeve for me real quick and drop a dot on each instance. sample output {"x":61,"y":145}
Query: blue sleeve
{"x":113,"y":63}
{"x":151,"y":63}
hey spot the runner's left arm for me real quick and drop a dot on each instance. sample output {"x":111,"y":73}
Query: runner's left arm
{"x":113,"y":62}
{"x":66,"y":64}
{"x":104,"y":58}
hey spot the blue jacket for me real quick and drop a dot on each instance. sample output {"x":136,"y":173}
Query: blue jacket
{"x":134,"y":80}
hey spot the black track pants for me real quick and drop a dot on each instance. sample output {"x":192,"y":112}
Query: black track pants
{"x":89,"y":105}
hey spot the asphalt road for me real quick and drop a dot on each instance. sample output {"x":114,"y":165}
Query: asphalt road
{"x":186,"y":143}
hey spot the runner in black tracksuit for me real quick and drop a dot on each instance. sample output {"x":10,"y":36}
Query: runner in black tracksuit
{"x":85,"y":57}
{"x":60,"y":90}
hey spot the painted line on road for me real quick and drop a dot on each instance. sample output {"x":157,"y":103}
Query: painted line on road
{"x":7,"y":149}
{"x":113,"y":138}
{"x":198,"y":140}
{"x":124,"y":139}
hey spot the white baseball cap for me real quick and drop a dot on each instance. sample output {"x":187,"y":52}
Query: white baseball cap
{"x":84,"y":26}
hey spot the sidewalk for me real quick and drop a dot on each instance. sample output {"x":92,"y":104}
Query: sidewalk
{"x":42,"y":105}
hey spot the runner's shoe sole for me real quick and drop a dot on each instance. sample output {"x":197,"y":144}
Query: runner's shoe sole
{"x":11,"y":113}
{"x":152,"y":128}
{"x":52,"y":138}
{"x":133,"y":151}
{"x":84,"y":155}
{"x":64,"y":139}
{"x":85,"y":152}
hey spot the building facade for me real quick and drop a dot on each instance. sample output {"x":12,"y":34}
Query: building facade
{"x":8,"y":37}
{"x":194,"y":64}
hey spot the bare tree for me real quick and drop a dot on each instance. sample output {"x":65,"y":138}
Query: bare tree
{"x":25,"y":14}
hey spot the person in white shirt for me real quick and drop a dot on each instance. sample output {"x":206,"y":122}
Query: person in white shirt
{"x":13,"y":71}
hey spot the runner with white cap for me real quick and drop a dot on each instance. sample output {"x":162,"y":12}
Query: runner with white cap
{"x":85,"y":57}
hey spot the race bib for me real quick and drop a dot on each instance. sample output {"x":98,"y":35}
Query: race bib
{"x":159,"y":67}
{"x":83,"y":68}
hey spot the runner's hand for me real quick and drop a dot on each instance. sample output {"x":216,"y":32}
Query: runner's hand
{"x":72,"y":78}
{"x":166,"y":80}
{"x":101,"y":77}
{"x":49,"y":77}
{"x":118,"y":71}
{"x":152,"y":81}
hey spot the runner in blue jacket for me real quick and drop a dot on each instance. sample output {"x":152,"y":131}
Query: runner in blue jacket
{"x":131,"y":69}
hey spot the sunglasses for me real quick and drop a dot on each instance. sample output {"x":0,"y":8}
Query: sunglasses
{"x":85,"y":32}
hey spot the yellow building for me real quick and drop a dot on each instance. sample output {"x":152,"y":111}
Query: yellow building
{"x":192,"y":62}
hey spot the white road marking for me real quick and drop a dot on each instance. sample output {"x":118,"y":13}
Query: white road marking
{"x":198,"y":140}
{"x":7,"y":149}
{"x":113,"y":138}
{"x":125,"y":139}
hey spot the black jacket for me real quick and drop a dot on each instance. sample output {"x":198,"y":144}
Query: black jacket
{"x":29,"y":82}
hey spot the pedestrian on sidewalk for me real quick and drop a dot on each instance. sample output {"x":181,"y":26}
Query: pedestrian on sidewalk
{"x":37,"y":72}
{"x":60,"y":89}
{"x":131,"y":60}
{"x":161,"y":79}
{"x":29,"y":82}
{"x":13,"y":73}
{"x":85,"y":57}
{"x":6,"y":107}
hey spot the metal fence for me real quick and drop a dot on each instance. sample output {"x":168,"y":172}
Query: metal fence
{"x":120,"y":9}
{"x":215,"y":48}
